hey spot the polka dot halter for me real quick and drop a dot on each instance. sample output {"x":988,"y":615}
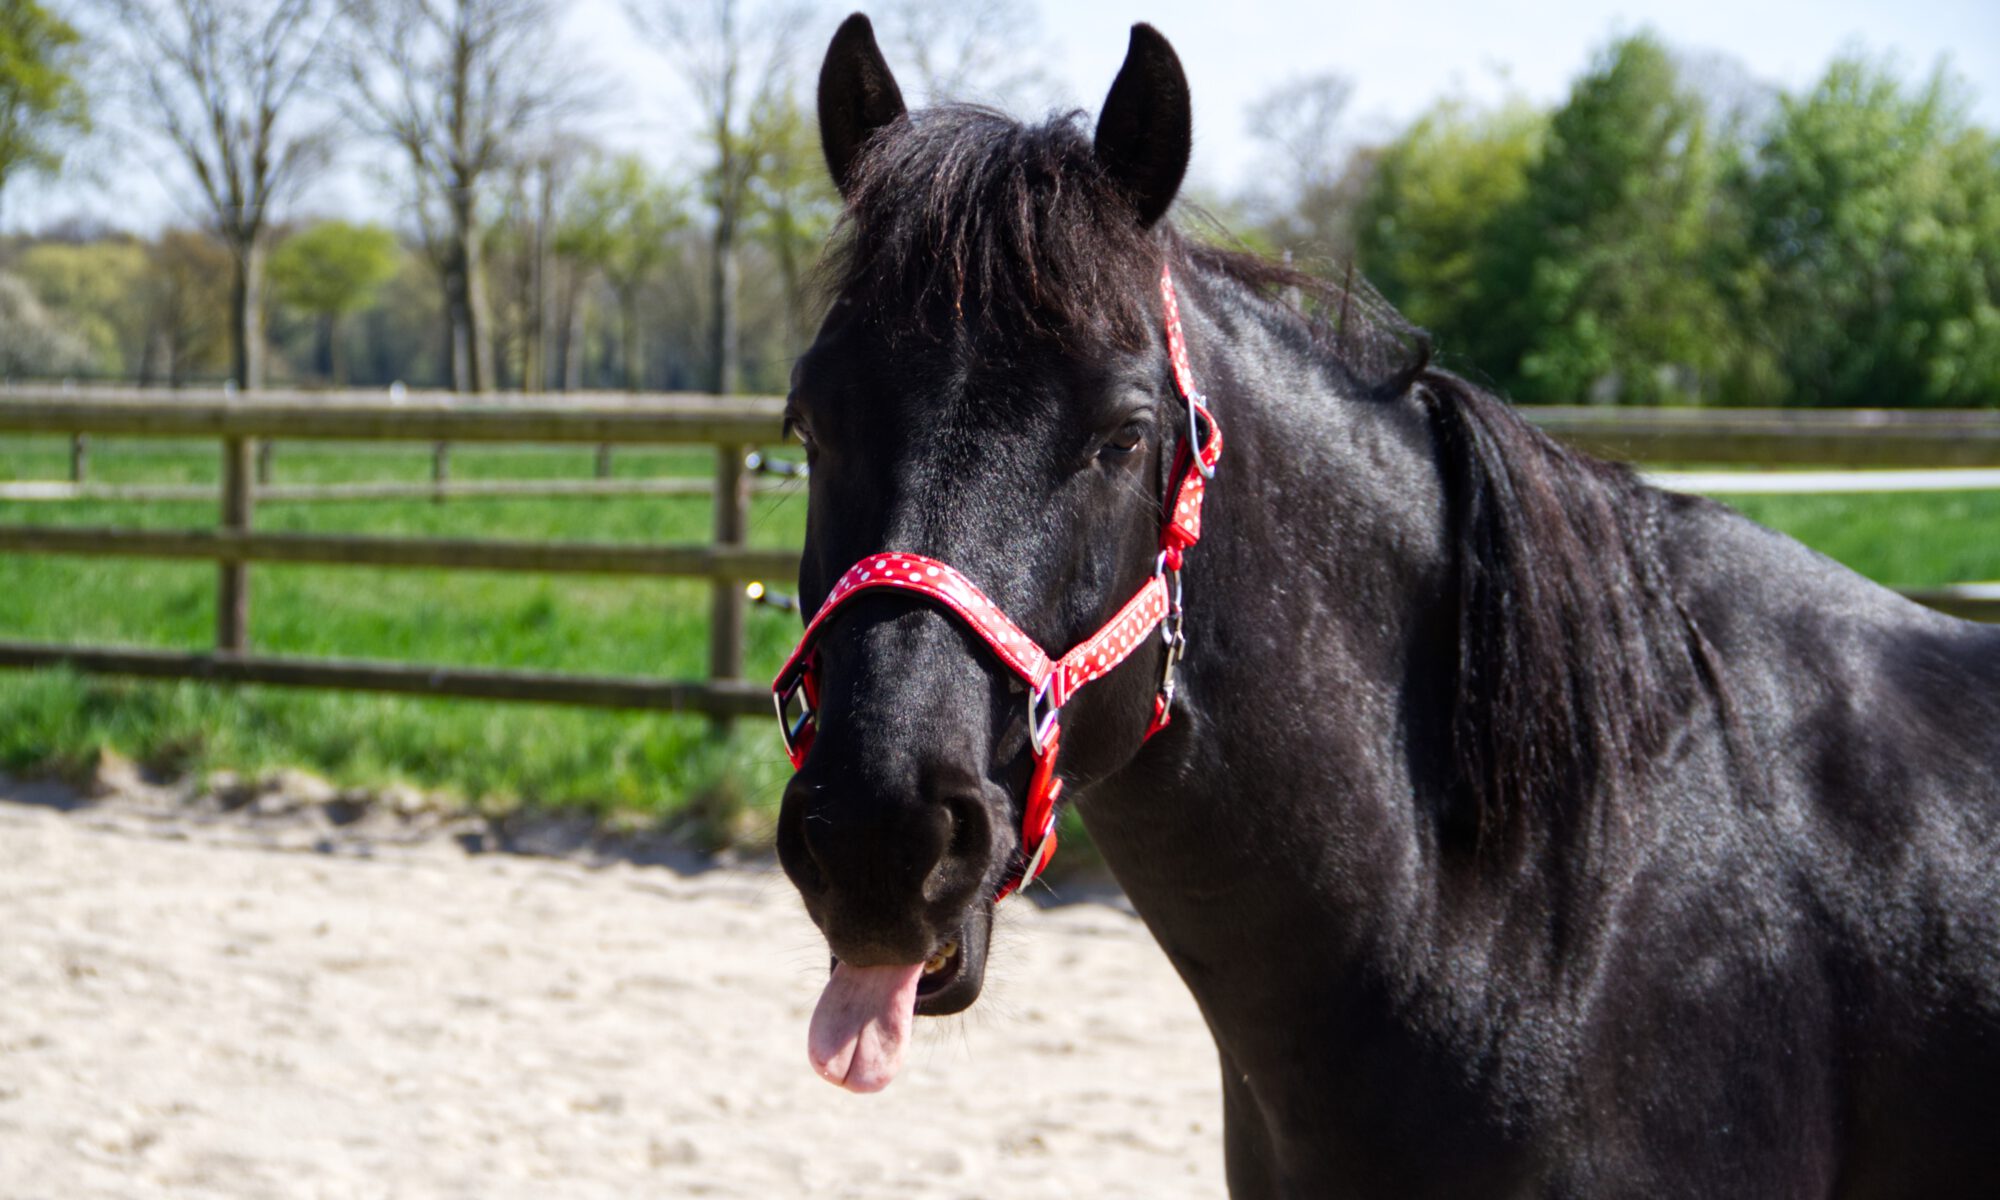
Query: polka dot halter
{"x":1050,"y":681}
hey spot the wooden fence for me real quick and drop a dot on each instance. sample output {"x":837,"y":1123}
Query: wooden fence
{"x":734,"y":427}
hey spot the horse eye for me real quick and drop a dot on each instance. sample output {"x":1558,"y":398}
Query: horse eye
{"x":794,"y":427}
{"x":1125,"y":441}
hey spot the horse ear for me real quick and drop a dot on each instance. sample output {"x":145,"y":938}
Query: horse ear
{"x":1146,"y":131}
{"x":857,"y":96}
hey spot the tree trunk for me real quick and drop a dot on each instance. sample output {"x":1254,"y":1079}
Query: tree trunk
{"x":246,"y":314}
{"x":465,"y":301}
{"x":633,"y":351}
{"x":723,"y":345}
{"x":336,"y":353}
{"x":575,"y":343}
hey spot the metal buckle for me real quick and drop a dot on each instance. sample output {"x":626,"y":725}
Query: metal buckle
{"x":1195,"y":404}
{"x":1041,"y":725}
{"x":1172,"y":626}
{"x":782,"y":698}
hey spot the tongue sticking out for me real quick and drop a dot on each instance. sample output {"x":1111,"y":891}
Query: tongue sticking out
{"x":862,"y":1024}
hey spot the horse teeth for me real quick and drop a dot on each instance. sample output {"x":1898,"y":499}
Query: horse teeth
{"x":938,"y":960}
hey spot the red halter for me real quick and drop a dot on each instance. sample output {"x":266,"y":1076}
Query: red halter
{"x":1050,"y":682}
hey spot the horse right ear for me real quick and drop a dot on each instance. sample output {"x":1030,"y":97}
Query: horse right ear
{"x":1146,"y":131}
{"x":857,"y":96}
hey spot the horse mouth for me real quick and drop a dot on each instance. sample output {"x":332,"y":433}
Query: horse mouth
{"x":955,"y":972}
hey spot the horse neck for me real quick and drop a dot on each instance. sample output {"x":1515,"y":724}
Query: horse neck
{"x":1316,"y":697}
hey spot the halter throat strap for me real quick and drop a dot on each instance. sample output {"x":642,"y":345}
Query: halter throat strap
{"x":1050,"y":681}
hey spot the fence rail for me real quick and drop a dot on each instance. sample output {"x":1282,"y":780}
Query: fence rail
{"x":1781,"y":437}
{"x":1844,"y":439}
{"x":733,"y":426}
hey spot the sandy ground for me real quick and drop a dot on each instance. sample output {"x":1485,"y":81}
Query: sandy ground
{"x":188,"y":1008}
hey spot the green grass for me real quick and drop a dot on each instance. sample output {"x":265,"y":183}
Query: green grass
{"x":1905,"y":539}
{"x":499,"y":754}
{"x":503,"y":755}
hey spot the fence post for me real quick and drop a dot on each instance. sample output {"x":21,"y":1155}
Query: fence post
{"x":732,"y":526}
{"x":232,"y":597}
{"x":604,"y":461}
{"x":267,"y":450}
{"x":440,"y":470}
{"x":79,"y":457}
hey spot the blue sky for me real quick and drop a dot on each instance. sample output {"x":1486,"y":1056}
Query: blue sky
{"x":1402,"y":55}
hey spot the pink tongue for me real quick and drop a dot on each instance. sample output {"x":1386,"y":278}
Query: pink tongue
{"x":862,"y":1024}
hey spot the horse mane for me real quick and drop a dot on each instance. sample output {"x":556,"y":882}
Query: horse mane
{"x":1573,"y":652}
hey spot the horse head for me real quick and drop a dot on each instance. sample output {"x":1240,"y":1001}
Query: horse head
{"x":989,"y":409}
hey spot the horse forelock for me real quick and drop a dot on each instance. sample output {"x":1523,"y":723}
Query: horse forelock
{"x":960,"y":217}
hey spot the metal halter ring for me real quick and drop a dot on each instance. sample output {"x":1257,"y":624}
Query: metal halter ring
{"x":1195,"y":404}
{"x":783,"y":698}
{"x":1041,"y":726}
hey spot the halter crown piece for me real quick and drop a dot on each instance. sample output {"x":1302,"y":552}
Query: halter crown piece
{"x":1050,"y":681}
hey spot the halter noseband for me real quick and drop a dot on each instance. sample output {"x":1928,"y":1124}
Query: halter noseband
{"x":1050,"y":681}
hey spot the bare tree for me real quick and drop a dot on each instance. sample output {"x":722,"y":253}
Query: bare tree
{"x":735,"y":56}
{"x":222,"y":81}
{"x":459,"y":86}
{"x":1315,"y":182}
{"x":1300,"y":123}
{"x":984,"y":50}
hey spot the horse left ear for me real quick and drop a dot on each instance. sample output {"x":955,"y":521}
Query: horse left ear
{"x":1146,"y":131}
{"x":857,"y":96}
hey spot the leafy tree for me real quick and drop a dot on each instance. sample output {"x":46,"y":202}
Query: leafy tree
{"x":40,"y":98}
{"x":1875,"y":216}
{"x":187,"y":298}
{"x":1608,"y":249}
{"x":620,"y":222}
{"x":95,"y":289}
{"x":793,"y":205}
{"x":331,"y":270}
{"x":35,"y":343}
{"x":1432,"y":209}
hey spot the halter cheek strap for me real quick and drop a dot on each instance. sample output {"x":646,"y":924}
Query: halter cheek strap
{"x":1050,"y":682}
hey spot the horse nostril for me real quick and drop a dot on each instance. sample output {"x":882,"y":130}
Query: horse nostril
{"x":971,"y":827}
{"x":967,"y":843}
{"x":796,"y":852}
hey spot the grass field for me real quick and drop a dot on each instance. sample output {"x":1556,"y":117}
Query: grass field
{"x":506,"y":754}
{"x":501,"y":754}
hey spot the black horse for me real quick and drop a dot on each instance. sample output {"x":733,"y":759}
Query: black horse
{"x":1520,"y":829}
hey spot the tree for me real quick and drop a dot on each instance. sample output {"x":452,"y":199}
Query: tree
{"x":187,"y":298}
{"x":793,"y":205}
{"x":1429,"y":216}
{"x":1875,"y":216}
{"x":1607,"y":256}
{"x":734,"y":56}
{"x":34,"y":343}
{"x":40,"y":98}
{"x":221,"y":81}
{"x":459,"y":86}
{"x":95,"y":289}
{"x":330,"y":270}
{"x":983,"y":50}
{"x":1313,"y":184}
{"x":618,"y":223}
